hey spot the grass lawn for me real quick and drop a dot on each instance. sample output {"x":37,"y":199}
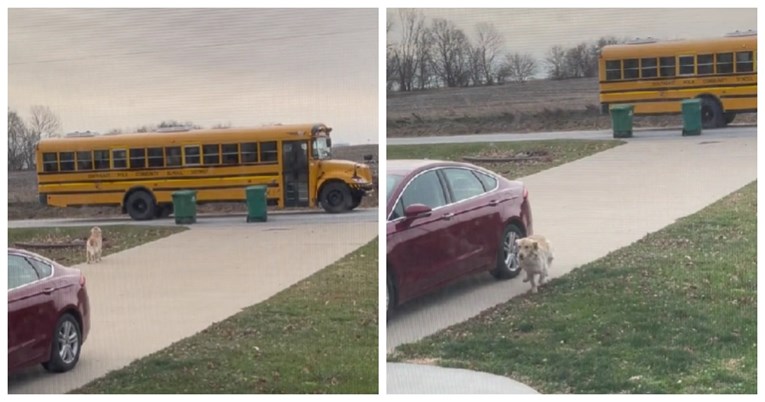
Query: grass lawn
{"x":318,"y":336}
{"x":675,"y":312}
{"x":550,"y":153}
{"x":116,"y":238}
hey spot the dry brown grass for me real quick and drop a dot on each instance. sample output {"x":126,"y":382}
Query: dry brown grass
{"x":541,"y":105}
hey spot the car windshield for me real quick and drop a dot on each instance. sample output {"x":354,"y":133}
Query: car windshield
{"x":393,"y":181}
{"x":321,"y":149}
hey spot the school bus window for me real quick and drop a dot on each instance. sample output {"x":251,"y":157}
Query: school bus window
{"x":84,"y":160}
{"x":155,"y":157}
{"x":687,"y":65}
{"x":724,"y":63}
{"x":119,"y":159}
{"x":191,"y":153}
{"x":667,"y":66}
{"x":631,"y":69}
{"x":613,"y":70}
{"x":268,"y":152}
{"x":101,"y":159}
{"x":173,"y":156}
{"x":66,"y":161}
{"x":744,"y":62}
{"x":230,"y":153}
{"x":648,"y":68}
{"x":249,"y":152}
{"x":50,"y":162}
{"x":212,"y":154}
{"x":137,"y":158}
{"x":705,"y":64}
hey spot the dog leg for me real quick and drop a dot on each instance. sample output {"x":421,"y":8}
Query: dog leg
{"x":528,"y":276}
{"x":533,"y":284}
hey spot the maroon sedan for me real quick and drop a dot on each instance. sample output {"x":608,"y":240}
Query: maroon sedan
{"x":48,"y":312}
{"x":447,"y":220}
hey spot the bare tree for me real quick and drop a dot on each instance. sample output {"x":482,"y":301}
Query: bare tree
{"x":43,"y":123}
{"x":486,"y":51}
{"x":451,"y":53}
{"x":519,"y":67}
{"x":556,"y":63}
{"x":17,"y":132}
{"x":408,"y":56}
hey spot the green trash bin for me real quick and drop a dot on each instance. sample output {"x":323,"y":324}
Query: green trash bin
{"x":185,"y":206}
{"x":256,"y":203}
{"x":691,"y":116}
{"x":621,"y":120}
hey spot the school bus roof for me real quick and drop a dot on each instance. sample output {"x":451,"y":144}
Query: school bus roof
{"x":182,"y":137}
{"x":679,"y":47}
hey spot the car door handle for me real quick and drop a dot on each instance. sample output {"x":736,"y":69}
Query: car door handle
{"x":48,"y":291}
{"x":494,"y":203}
{"x":448,"y":216}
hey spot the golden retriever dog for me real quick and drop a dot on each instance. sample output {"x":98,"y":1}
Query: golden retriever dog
{"x":535,"y":256}
{"x":94,"y":245}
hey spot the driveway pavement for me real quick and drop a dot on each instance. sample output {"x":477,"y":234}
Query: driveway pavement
{"x":588,"y":208}
{"x":144,"y":299}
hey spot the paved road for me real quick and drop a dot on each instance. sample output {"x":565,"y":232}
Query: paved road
{"x":640,"y":135}
{"x":595,"y":205}
{"x":144,"y":299}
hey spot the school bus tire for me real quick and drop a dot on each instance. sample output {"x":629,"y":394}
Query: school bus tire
{"x":711,"y":113}
{"x":140,"y":205}
{"x":335,"y":197}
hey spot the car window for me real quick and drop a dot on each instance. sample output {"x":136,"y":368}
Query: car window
{"x":391,"y":183}
{"x":425,"y":189}
{"x":463,"y":183}
{"x":20,"y":272}
{"x":489,"y":182}
{"x":42,"y":268}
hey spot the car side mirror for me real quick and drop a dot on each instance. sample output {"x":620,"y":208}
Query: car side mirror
{"x":417,"y":211}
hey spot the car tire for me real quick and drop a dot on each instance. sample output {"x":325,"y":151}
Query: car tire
{"x":140,"y":206}
{"x":507,"y":266}
{"x":335,"y":197}
{"x":65,"y":346}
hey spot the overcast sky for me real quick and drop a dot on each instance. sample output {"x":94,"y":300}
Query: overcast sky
{"x":535,"y":31}
{"x":101,"y":69}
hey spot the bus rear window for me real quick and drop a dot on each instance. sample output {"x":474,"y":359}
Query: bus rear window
{"x":50,"y":162}
{"x":101,"y":159}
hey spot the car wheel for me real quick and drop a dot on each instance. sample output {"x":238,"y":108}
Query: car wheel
{"x":507,"y":256}
{"x":65,"y":346}
{"x":140,"y":206}
{"x":335,"y":197}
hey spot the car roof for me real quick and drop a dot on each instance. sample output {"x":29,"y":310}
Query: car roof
{"x":405,"y":166}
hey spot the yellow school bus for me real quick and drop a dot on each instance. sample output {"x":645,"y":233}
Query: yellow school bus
{"x":655,"y":76}
{"x":140,"y":171}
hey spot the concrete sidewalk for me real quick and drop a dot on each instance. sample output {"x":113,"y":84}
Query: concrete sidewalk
{"x":589,"y":208}
{"x":144,"y":299}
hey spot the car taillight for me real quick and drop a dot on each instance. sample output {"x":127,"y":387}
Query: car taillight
{"x":82,"y":279}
